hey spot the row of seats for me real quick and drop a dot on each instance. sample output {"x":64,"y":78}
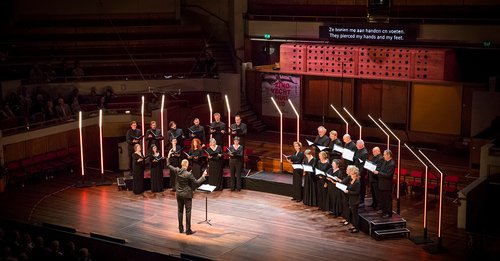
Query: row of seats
{"x":43,"y":164}
{"x":414,"y":179}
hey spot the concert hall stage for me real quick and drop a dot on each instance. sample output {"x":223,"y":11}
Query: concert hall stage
{"x":246,"y":225}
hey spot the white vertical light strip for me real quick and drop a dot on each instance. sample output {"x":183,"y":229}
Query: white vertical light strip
{"x":161,"y":126}
{"x":425,"y":187}
{"x":399,"y":160}
{"x":143,"y":124}
{"x":298,"y":119}
{"x":281,"y":129}
{"x":441,"y":183}
{"x":343,"y":119}
{"x":228,"y":120}
{"x":380,"y":127}
{"x":100,"y":142}
{"x":210,"y":110}
{"x":355,"y":121}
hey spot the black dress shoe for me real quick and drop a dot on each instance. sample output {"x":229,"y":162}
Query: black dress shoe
{"x":181,"y":230}
{"x":354,"y":231}
{"x":232,"y":189}
{"x":386,"y":216}
{"x":293,"y":199}
{"x":238,"y":190}
{"x":190,"y":232}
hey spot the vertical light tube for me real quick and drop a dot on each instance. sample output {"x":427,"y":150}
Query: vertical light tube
{"x":143,"y":124}
{"x":228,"y":120}
{"x":380,"y":127}
{"x":425,"y":187}
{"x":340,"y":115}
{"x":100,"y":142}
{"x":399,"y":164}
{"x":161,"y":126}
{"x":281,"y":133}
{"x":298,"y":119}
{"x":441,"y":183}
{"x":355,"y":121}
{"x":210,"y":110}
{"x":81,"y":142}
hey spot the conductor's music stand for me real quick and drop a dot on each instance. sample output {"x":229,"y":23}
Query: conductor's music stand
{"x":207,"y":189}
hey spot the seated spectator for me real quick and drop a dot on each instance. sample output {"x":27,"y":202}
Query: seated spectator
{"x":63,"y":110}
{"x":50,"y":112}
{"x":36,"y":74}
{"x":83,"y":255}
{"x":56,"y":253}
{"x":75,"y":106}
{"x":69,"y":252}
{"x":77,"y":71}
{"x":101,"y":105}
{"x":93,"y":95}
{"x":6,"y":112}
{"x":108,"y":94}
{"x":211,"y":65}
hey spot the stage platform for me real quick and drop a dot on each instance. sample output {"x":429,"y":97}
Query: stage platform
{"x":246,"y":225}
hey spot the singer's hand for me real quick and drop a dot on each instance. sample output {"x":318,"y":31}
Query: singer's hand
{"x":205,"y":173}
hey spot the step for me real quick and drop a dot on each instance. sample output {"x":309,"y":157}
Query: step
{"x":390,"y":233}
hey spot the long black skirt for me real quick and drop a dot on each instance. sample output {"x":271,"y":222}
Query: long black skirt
{"x":310,"y":190}
{"x":215,"y":173}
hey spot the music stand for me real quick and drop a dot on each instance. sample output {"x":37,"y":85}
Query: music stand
{"x":207,"y":189}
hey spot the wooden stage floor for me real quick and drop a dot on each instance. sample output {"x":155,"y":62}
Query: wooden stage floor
{"x":247,"y":225}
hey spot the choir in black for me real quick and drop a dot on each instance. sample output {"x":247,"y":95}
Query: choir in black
{"x":322,"y":173}
{"x":316,"y":173}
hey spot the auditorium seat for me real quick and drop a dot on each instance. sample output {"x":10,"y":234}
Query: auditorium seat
{"x":416,"y":180}
{"x":450,"y":185}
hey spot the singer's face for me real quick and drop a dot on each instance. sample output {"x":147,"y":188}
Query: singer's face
{"x":133,"y":126}
{"x":196,"y":122}
{"x":153,"y":125}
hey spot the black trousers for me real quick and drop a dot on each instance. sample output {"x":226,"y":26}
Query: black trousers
{"x":362,"y":192}
{"x":354,"y":217}
{"x":375,"y":194}
{"x":181,"y":204}
{"x":130,"y":153}
{"x":386,"y":201}
{"x":235,"y":166}
{"x":297,"y":185}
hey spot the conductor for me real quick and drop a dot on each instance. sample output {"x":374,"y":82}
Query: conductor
{"x":185,"y":183}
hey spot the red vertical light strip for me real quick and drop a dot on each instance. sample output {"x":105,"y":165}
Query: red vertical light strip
{"x":81,"y":142}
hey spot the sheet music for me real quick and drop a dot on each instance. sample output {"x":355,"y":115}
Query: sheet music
{"x":370,"y":166}
{"x":308,"y":168}
{"x":321,"y":147}
{"x":341,"y":186}
{"x":309,"y":143}
{"x":330,"y":176}
{"x":207,"y":187}
{"x":187,"y":154}
{"x":286,"y":156}
{"x":338,"y":148}
{"x":320,"y":172}
{"x":348,"y":154}
{"x":297,"y":166}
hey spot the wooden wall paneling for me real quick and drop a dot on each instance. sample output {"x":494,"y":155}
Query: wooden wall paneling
{"x":348,"y":94}
{"x":58,"y":141}
{"x":73,"y":138}
{"x":15,"y":151}
{"x":436,"y":108}
{"x":36,"y":146}
{"x":394,"y":102}
{"x":334,"y":96}
{"x":316,"y":95}
{"x":368,"y":98}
